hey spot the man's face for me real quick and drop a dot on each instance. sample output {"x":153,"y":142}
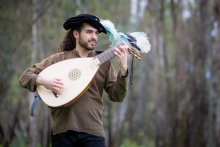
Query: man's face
{"x":88,"y":37}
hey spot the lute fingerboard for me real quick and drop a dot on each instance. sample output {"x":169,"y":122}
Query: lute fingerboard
{"x":107,"y":55}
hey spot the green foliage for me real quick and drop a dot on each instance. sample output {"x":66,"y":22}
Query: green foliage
{"x":130,"y":143}
{"x":19,"y":141}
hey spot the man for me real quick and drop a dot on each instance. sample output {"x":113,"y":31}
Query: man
{"x":81,"y":123}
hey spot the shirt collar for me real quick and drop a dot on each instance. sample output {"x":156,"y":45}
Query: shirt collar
{"x":91,"y":54}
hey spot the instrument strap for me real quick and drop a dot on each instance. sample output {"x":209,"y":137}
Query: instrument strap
{"x":36,"y":99}
{"x":131,"y":75}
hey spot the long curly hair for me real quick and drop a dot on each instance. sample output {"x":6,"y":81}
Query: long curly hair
{"x":69,"y":41}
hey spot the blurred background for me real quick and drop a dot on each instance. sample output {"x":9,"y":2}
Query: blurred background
{"x":174,"y":99}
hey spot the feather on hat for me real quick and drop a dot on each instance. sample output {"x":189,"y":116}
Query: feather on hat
{"x":136,"y":40}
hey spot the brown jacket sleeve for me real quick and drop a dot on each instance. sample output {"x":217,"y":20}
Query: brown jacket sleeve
{"x":116,"y":87}
{"x":28,"y":77}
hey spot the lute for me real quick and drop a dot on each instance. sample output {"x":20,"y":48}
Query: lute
{"x":77,"y":75}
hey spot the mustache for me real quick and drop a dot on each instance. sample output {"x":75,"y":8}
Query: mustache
{"x":93,"y":40}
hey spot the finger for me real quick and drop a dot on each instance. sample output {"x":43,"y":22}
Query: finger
{"x":117,"y":50}
{"x":57,"y":90}
{"x":58,"y":81}
{"x":124,"y":49}
{"x":59,"y":86}
{"x":117,"y":54}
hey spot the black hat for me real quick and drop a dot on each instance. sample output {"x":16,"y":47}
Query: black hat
{"x":90,"y":19}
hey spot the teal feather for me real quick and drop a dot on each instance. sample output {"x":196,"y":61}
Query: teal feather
{"x":114,"y":37}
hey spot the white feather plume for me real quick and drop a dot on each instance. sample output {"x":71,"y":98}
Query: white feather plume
{"x":141,"y":41}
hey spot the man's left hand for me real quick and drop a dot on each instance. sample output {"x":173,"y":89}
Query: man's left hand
{"x":121,"y":52}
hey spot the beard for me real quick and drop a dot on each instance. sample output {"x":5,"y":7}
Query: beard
{"x":85,"y":44}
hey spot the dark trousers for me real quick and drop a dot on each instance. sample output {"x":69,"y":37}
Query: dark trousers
{"x":77,"y":139}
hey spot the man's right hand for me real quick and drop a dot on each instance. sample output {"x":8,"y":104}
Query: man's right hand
{"x":53,"y":84}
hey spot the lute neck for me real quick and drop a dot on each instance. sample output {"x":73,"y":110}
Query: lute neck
{"x":107,"y":55}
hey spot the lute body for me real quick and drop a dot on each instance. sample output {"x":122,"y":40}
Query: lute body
{"x":77,"y":75}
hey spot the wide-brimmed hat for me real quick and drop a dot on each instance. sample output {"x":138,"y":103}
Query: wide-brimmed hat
{"x":90,"y":19}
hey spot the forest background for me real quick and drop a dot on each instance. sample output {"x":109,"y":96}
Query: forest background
{"x":174,"y":100}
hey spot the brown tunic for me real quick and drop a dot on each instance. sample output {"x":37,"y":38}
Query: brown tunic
{"x":85,"y":115}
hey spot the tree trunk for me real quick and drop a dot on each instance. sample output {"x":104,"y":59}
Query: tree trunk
{"x":33,"y":132}
{"x":216,"y":71}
